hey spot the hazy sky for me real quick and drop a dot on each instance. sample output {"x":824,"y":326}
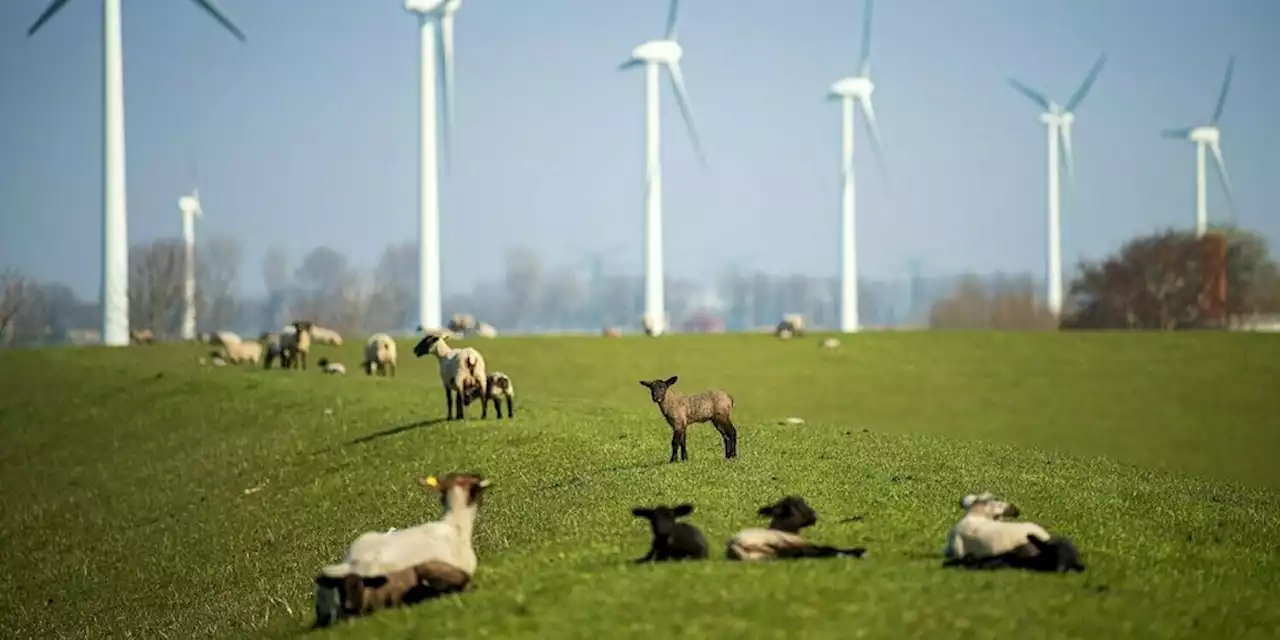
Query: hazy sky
{"x":307,"y":134}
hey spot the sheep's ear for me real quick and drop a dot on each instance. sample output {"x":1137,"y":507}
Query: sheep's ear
{"x":483,"y":484}
{"x":682,"y":510}
{"x":641,"y":512}
{"x":646,"y":383}
{"x":672,"y":380}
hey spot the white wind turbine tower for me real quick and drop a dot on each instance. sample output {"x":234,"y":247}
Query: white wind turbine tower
{"x":189,"y":208}
{"x":115,"y":241}
{"x":1209,"y":136}
{"x":848,"y":91}
{"x":652,"y":55}
{"x":1057,"y":120}
{"x":432,"y":14}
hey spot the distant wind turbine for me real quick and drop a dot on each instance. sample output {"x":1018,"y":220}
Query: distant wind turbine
{"x":1057,"y":120}
{"x":432,"y":13}
{"x":115,"y":241}
{"x":1209,"y":136}
{"x":849,"y":90}
{"x":652,"y":55}
{"x":189,"y":208}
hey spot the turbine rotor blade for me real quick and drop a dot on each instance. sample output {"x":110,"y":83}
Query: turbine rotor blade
{"x":1222,"y":95}
{"x":1032,"y":94}
{"x":629,"y":64}
{"x":1089,"y":79}
{"x":211,"y":7}
{"x":1221,"y":165}
{"x":876,"y":147}
{"x":446,"y":50}
{"x":1177,"y":134}
{"x":1068,"y":155}
{"x":53,"y":8}
{"x":673,"y":17}
{"x":686,"y":109}
{"x":864,"y":60}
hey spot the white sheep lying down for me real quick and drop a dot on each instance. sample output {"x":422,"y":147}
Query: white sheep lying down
{"x":983,"y":532}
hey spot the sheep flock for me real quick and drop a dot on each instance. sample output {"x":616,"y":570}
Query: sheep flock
{"x":399,"y":567}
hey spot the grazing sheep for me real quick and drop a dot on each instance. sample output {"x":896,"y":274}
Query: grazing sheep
{"x":401,"y":566}
{"x":458,"y":369}
{"x":296,"y":344}
{"x":830,"y":344}
{"x":672,"y":540}
{"x":486,"y":330}
{"x":782,"y":539}
{"x":461,"y":323}
{"x":983,"y":532}
{"x":380,"y":355}
{"x":238,"y":352}
{"x":331,"y":367}
{"x":681,"y":411}
{"x":499,"y":387}
{"x":321,"y":335}
{"x":142,"y":336}
{"x":222,"y":338}
{"x":1055,"y":555}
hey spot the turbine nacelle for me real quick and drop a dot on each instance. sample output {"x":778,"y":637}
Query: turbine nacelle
{"x":1058,"y":117}
{"x":1205,"y":134}
{"x":660,"y":51}
{"x":432,"y":8}
{"x":189,"y":205}
{"x":853,"y":87}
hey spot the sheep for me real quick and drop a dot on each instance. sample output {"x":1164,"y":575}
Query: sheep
{"x":380,"y":355}
{"x":461,"y":323}
{"x":612,"y":332}
{"x":681,"y":411}
{"x":238,"y":352}
{"x":142,"y":336}
{"x":458,"y":369}
{"x":273,"y":350}
{"x":297,"y":344}
{"x":499,"y":387}
{"x":401,"y":566}
{"x":672,"y":540}
{"x":782,"y":539}
{"x":321,"y":335}
{"x":830,"y":344}
{"x":221,"y":338}
{"x":983,"y":532}
{"x":1055,"y":555}
{"x":331,"y":367}
{"x":486,"y":330}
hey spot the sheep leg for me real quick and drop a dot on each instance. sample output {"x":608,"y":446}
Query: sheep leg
{"x":448,"y":402}
{"x":302,"y":355}
{"x":484,"y":408}
{"x":729,"y":435}
{"x":684,"y":447}
{"x":511,"y":411}
{"x":675,"y":445}
{"x":458,"y":400}
{"x":392,"y":368}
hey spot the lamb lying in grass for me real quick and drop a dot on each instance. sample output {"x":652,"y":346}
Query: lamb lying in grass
{"x":681,"y":411}
{"x":332,"y":368}
{"x":1055,"y":555}
{"x":672,"y":540}
{"x":782,"y":539}
{"x":983,"y":531}
{"x":401,"y":566}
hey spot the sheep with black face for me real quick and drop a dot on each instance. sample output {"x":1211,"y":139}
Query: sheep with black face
{"x":782,"y":539}
{"x":672,"y":540}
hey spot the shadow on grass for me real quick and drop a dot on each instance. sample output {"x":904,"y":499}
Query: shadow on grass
{"x":398,"y":429}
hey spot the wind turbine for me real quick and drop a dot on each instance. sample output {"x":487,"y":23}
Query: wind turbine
{"x":432,"y":13}
{"x":653,"y":55}
{"x":1058,"y":120}
{"x":849,"y":90}
{"x":1209,"y":136}
{"x":189,"y":208}
{"x":115,"y":241}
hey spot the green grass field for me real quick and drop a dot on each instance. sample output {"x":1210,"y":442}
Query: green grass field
{"x":144,"y":495}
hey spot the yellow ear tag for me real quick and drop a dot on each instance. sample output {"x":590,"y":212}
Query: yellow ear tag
{"x":431,"y":481}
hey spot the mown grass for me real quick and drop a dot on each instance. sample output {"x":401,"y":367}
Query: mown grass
{"x":143,"y":495}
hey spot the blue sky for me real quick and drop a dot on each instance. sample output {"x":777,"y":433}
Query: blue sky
{"x":306,"y":135}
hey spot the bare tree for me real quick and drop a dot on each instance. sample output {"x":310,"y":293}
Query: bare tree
{"x":524,"y":278}
{"x":275,"y":275}
{"x":16,"y":293}
{"x":393,"y":294}
{"x":156,"y":277}
{"x":330,"y":292}
{"x":218,"y":261}
{"x":1008,"y":305}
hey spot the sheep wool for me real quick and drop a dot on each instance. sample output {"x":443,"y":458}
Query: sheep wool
{"x":681,"y":411}
{"x":323,"y":335}
{"x":982,"y":533}
{"x":380,"y":355}
{"x":460,"y":369}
